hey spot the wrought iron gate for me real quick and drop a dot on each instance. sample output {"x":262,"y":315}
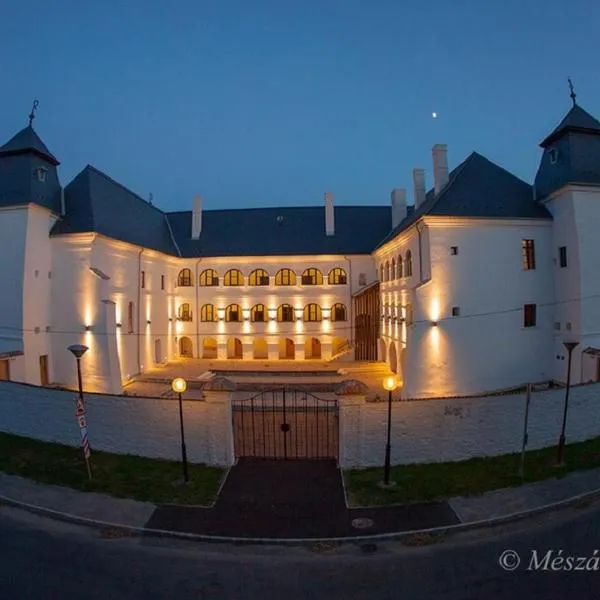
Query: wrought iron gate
{"x":285,"y":424}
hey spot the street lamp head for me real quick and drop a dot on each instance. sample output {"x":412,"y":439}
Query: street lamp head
{"x":390,"y":382}
{"x":179,"y":385}
{"x":570,"y":346}
{"x":78,"y":350}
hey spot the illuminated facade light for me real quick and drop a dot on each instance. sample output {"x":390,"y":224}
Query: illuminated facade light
{"x":119,"y":324}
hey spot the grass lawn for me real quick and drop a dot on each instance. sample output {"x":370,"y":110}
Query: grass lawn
{"x":435,"y":481}
{"x":124,"y":476}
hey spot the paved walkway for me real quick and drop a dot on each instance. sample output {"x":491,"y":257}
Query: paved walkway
{"x":288,"y":507}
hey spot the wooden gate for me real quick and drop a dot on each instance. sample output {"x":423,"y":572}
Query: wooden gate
{"x":285,"y":424}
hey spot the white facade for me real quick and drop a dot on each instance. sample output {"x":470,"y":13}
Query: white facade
{"x":461,"y":311}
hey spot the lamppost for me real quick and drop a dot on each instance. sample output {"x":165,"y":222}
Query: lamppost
{"x":570,"y":346}
{"x":390,"y":383}
{"x":179,"y":385}
{"x":78,"y":350}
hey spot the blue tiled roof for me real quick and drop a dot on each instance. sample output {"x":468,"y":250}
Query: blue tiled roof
{"x":27,"y":140}
{"x":281,"y":231}
{"x":576,"y":120}
{"x":96,"y":203}
{"x":575,"y":158}
{"x":477,"y":188}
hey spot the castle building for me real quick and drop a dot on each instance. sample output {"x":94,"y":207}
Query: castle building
{"x":472,"y":287}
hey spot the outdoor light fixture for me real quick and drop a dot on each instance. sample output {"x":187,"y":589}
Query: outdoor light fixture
{"x":570,"y":346}
{"x":88,"y":327}
{"x":179,"y":385}
{"x":78,"y":350}
{"x":390,"y":383}
{"x":119,"y":324}
{"x":434,"y":323}
{"x":148,"y":322}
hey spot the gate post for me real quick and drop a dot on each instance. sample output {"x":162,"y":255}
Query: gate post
{"x":351,"y":399}
{"x":218,"y":393}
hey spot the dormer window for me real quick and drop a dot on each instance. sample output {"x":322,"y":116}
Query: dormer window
{"x":41,"y":173}
{"x":553,"y":155}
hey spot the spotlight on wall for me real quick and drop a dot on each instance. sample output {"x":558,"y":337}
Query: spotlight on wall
{"x":170,"y":320}
{"x":148,"y":322}
{"x":88,"y":327}
{"x":119,"y":324}
{"x":434,"y":323}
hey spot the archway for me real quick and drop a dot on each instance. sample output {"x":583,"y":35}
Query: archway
{"x":338,"y":344}
{"x":186,"y":348}
{"x":312,"y":348}
{"x":393,"y":361}
{"x":158,"y":357}
{"x":260,"y":349}
{"x":382,"y":350}
{"x":234,"y":348}
{"x":287,"y":349}
{"x":209,"y":348}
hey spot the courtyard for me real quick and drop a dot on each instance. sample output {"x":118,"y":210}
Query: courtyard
{"x":317,"y":376}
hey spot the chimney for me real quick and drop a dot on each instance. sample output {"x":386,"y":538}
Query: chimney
{"x":419,"y":186}
{"x":196,"y":217}
{"x":398,"y":197}
{"x":440,"y":167}
{"x":329,"y":215}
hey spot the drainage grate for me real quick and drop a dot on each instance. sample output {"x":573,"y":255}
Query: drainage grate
{"x":362,"y":523}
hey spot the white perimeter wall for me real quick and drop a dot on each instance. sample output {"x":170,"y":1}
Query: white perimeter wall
{"x":124,"y":425}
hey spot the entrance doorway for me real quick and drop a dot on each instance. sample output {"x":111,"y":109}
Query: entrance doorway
{"x":209,"y":348}
{"x":312,"y":348}
{"x":234,"y":348}
{"x":44,"y":378}
{"x":186,"y":347}
{"x":4,"y":370}
{"x":260,"y":348}
{"x":287,"y":349}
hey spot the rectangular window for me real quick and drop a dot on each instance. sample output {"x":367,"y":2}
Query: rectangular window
{"x":162,"y":282}
{"x":409,"y":314}
{"x":562,"y":256}
{"x":143,"y":279}
{"x":529,"y":315}
{"x":453,"y":250}
{"x":287,"y":314}
{"x":528,"y":255}
{"x":4,"y":370}
{"x":130,"y":317}
{"x":557,"y":326}
{"x":456,"y":311}
{"x":362,"y":279}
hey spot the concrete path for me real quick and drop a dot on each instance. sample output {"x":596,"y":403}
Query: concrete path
{"x":281,"y":521}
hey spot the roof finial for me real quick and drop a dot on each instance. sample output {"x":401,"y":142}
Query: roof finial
{"x":32,"y":113}
{"x":572,"y":94}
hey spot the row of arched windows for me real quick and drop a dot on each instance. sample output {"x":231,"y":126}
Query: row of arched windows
{"x":258,"y":314}
{"x":234,"y":277}
{"x":396,"y":269}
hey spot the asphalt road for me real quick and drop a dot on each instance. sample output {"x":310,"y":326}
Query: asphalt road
{"x":43,"y":559}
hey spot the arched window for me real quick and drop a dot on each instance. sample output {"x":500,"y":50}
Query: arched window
{"x":209,"y":277}
{"x":399,"y":267}
{"x":184,"y":313}
{"x":258,"y":277}
{"x":208,"y":313}
{"x":387,"y":270}
{"x":233,"y":277}
{"x":184,"y":279}
{"x":381,"y":272}
{"x":285,"y":277}
{"x":312,"y":276}
{"x":312,"y":312}
{"x":338,"y":312}
{"x":233,"y":313}
{"x":257,"y":314}
{"x":393,"y":269}
{"x":408,"y":264}
{"x":337,"y":276}
{"x":285,"y":313}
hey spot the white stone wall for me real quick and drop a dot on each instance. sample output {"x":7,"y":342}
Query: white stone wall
{"x":124,"y":425}
{"x":448,"y":430}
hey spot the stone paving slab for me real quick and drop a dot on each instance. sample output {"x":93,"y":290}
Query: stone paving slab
{"x":498,"y":503}
{"x":89,"y":505}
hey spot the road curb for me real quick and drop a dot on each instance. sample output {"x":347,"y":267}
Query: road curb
{"x":397,"y":535}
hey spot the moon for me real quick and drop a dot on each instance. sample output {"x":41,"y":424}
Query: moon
{"x":434,"y":115}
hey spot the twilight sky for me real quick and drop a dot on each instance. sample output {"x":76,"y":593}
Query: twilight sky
{"x":273,"y":102}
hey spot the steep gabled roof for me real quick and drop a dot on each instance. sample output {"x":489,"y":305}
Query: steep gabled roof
{"x":477,"y":188}
{"x":27,"y":140}
{"x":281,"y":231}
{"x":96,"y":203}
{"x":576,"y":120}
